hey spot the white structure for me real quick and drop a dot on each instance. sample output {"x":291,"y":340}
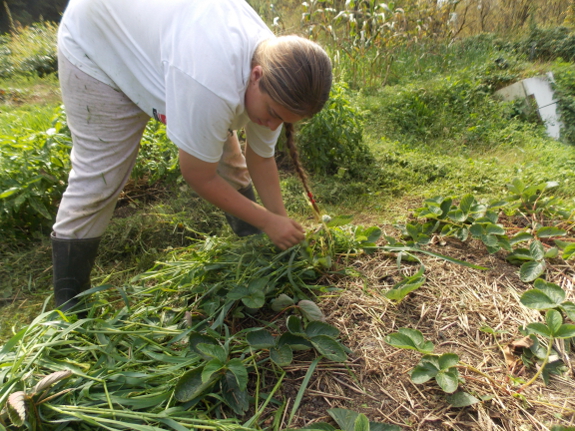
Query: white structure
{"x":540,"y":89}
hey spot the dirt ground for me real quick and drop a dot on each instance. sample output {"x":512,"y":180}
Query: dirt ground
{"x":449,"y":309}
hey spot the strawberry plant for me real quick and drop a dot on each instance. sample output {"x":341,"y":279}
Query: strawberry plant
{"x":349,"y":420}
{"x":442,"y":368}
{"x":550,"y":298}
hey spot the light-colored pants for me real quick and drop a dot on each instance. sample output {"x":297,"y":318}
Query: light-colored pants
{"x":106,"y":131}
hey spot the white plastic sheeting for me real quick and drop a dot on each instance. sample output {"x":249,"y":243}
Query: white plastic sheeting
{"x":540,"y":89}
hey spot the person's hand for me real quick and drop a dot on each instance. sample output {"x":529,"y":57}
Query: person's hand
{"x":283,"y":231}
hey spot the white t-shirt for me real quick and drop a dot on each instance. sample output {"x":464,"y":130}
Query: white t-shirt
{"x":185,"y":62}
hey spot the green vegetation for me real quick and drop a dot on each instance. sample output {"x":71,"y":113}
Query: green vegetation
{"x":188,"y":327}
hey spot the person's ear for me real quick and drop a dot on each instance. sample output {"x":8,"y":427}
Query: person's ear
{"x":256,"y":74}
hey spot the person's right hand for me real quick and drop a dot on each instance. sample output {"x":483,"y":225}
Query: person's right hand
{"x":283,"y":231}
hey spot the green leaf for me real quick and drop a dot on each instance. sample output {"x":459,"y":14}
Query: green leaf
{"x":466,"y":203}
{"x":282,"y":356}
{"x":233,"y":394}
{"x":191,"y":386}
{"x":519,"y":256}
{"x":405,"y":286}
{"x":494,"y":229}
{"x":568,"y":252}
{"x":520,"y":237}
{"x":448,"y":380}
{"x":536,"y":250}
{"x":538,"y":300}
{"x":197,"y":338}
{"x":569,"y":308}
{"x":461,"y":399}
{"x":361,"y":423}
{"x":550,"y":231}
{"x":294,"y":326}
{"x":237,"y":367}
{"x":552,"y":253}
{"x":39,"y":207}
{"x":344,"y":418}
{"x":411,"y":339}
{"x":554,"y":320}
{"x":340,"y":220}
{"x":211,"y":368}
{"x":539,"y":328}
{"x":457,"y":215}
{"x":256,"y":297}
{"x":260,"y":339}
{"x":448,"y":360}
{"x":423,"y":372}
{"x":380,"y":426}
{"x":565,"y":331}
{"x":329,"y":347}
{"x":9,"y":192}
{"x":310,"y":310}
{"x":213,"y":351}
{"x":316,"y":426}
{"x":321,"y":328}
{"x":529,"y":271}
{"x":295,"y":342}
{"x":282,"y":302}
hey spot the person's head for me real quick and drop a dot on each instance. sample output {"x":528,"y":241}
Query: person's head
{"x":289,"y":74}
{"x":290,"y":80}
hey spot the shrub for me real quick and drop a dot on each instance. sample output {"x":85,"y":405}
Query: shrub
{"x":549,"y":44}
{"x":332,"y":141}
{"x":564,"y":86}
{"x":30,"y":51}
{"x":34,"y":170}
{"x":34,"y":166}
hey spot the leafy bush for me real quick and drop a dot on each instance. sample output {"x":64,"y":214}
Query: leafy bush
{"x":30,"y":51}
{"x":549,"y":44}
{"x":332,"y":141}
{"x":35,"y":166}
{"x":565,"y":93}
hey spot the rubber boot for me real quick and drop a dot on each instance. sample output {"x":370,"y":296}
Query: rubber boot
{"x":72,"y":261}
{"x":240,"y":227}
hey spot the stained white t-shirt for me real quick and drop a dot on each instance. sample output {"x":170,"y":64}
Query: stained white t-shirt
{"x":185,"y":62}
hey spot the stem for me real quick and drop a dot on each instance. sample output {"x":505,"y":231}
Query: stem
{"x":482,"y":374}
{"x":543,"y":364}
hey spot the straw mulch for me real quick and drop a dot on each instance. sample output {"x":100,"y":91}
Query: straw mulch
{"x":449,"y":309}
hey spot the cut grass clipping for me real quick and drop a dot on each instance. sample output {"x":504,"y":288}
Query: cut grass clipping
{"x":192,"y":341}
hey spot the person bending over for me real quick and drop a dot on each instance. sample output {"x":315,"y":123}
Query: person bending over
{"x":205,"y":69}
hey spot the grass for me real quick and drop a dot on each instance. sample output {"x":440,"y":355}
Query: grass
{"x":467,"y":143}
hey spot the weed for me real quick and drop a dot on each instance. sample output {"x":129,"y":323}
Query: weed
{"x":331,"y":143}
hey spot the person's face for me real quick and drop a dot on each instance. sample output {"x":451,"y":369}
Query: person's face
{"x":262,"y":109}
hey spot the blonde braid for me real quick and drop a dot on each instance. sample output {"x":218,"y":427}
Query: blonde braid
{"x":289,"y":131}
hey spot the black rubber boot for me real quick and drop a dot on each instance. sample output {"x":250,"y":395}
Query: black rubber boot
{"x":72,"y":261}
{"x":240,"y":227}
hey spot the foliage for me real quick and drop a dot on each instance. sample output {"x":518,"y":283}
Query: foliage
{"x":442,"y":368}
{"x":30,"y":51}
{"x":331,"y":143}
{"x":549,"y":44}
{"x":564,"y":87}
{"x":35,"y":166}
{"x":348,"y":420}
{"x":169,"y":348}
{"x":549,"y":297}
{"x":445,"y":217}
{"x":26,"y":12}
